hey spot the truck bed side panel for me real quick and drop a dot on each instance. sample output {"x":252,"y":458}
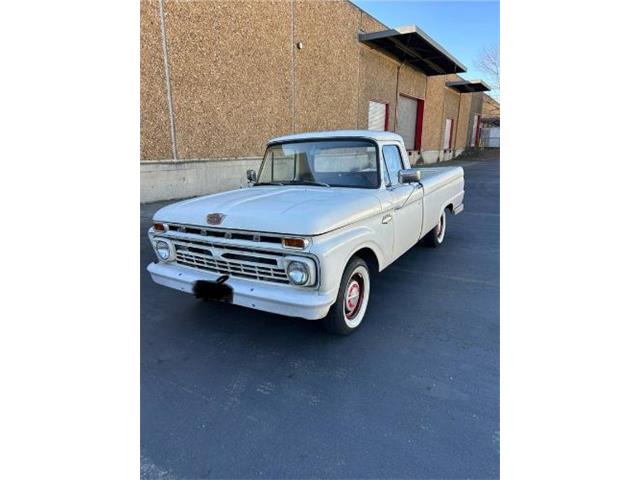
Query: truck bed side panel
{"x":443,"y":186}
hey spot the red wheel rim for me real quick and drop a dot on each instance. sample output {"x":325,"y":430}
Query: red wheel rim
{"x":353,"y":296}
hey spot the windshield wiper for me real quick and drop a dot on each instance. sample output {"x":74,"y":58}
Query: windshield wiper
{"x":307,"y":182}
{"x":267,"y":183}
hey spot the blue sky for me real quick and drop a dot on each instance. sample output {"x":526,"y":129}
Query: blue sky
{"x":462,"y":28}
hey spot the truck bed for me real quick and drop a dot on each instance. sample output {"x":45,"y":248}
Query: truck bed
{"x":443,"y":188}
{"x":434,"y":178}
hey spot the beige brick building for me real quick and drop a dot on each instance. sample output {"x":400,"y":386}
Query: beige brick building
{"x":219,"y":78}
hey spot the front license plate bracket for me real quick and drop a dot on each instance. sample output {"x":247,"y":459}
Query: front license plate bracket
{"x":218,"y":291}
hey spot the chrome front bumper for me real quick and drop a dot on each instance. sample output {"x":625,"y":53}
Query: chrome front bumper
{"x":286,"y":300}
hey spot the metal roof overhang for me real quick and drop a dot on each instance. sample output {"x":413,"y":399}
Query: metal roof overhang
{"x":411,"y":45}
{"x":469,"y":86}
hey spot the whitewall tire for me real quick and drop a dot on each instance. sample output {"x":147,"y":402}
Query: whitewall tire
{"x":435,"y":237}
{"x":347,"y":313}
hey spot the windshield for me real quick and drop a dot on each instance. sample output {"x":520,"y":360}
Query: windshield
{"x":335,"y":163}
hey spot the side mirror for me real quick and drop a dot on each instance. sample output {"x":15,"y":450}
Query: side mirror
{"x":251,"y":176}
{"x":410,"y":175}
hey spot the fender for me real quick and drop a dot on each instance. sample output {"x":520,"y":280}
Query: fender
{"x":336,"y":248}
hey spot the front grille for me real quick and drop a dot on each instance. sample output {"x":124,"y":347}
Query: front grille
{"x":233,"y":261}
{"x":221,"y":233}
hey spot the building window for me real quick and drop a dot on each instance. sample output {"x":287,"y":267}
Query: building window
{"x":378,"y":115}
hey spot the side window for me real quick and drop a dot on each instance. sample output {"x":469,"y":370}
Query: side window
{"x":393,"y":163}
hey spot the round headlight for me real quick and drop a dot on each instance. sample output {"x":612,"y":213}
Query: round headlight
{"x":163,"y":249}
{"x":298,"y":273}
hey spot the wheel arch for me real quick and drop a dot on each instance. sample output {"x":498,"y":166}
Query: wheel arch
{"x":369,"y":256}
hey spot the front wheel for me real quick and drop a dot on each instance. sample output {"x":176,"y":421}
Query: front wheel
{"x":348,"y":311}
{"x":435,"y":237}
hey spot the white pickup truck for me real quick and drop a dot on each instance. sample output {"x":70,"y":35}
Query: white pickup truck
{"x":326,"y":211}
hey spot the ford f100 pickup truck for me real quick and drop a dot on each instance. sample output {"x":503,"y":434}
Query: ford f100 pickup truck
{"x":326,"y":211}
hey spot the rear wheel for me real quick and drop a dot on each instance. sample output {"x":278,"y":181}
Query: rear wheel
{"x":435,"y":237}
{"x":351,"y":305}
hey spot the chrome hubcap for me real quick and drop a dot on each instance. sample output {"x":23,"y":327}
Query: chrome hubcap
{"x":353,"y":297}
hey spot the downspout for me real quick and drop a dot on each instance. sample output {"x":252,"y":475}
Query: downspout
{"x":442,"y":123}
{"x":395,"y":114}
{"x":293,"y":68}
{"x":455,"y":136}
{"x":167,"y":76}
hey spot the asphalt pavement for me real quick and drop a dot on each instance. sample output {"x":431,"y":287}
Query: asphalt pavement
{"x":229,"y":392}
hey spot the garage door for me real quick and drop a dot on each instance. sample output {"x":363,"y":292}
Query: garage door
{"x":474,"y":131}
{"x":448,"y":134}
{"x":377,"y":115}
{"x":407,"y":117}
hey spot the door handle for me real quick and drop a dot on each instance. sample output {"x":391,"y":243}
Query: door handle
{"x":386,"y":219}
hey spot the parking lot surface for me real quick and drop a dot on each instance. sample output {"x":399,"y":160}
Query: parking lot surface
{"x":228,"y":392}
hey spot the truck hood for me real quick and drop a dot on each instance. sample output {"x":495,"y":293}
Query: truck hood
{"x":295,"y":210}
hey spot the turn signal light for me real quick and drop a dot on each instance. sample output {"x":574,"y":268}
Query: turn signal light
{"x":295,"y":242}
{"x":158,"y":227}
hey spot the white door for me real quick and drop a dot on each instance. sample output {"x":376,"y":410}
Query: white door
{"x":474,"y":131}
{"x":448,"y":127}
{"x":377,"y":116}
{"x":404,"y":200}
{"x":407,"y":117}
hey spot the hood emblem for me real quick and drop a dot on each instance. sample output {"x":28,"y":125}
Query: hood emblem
{"x":215,"y":218}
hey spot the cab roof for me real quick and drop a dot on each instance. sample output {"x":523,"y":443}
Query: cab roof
{"x":368,"y":134}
